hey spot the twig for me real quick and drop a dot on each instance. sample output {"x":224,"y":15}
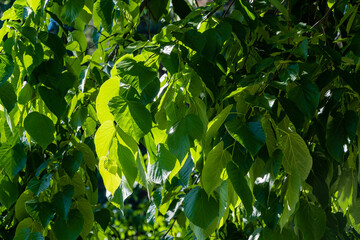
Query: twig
{"x":210,"y":14}
{"x":93,"y":45}
{"x":325,"y":15}
{"x":172,"y":225}
{"x":227,"y":10}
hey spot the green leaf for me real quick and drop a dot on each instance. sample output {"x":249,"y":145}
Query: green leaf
{"x":71,"y":163}
{"x":103,"y":138}
{"x":6,"y":68}
{"x":27,"y":234}
{"x":53,"y":100}
{"x":128,"y":163}
{"x":251,"y":134}
{"x":158,"y":8}
{"x":104,"y":9}
{"x":108,"y":90}
{"x":39,"y":185}
{"x":26,"y":94}
{"x":71,"y":10}
{"x":34,"y":4}
{"x":131,"y":116}
{"x":355,"y":44}
{"x":28,"y":223}
{"x":12,"y":159}
{"x":135,"y":73}
{"x":237,"y":178}
{"x":181,"y":8}
{"x":182,"y":135}
{"x":216,"y":123}
{"x":306,"y":97}
{"x":71,"y":229}
{"x":85,"y":208}
{"x":302,"y":50}
{"x":8,"y":191}
{"x":88,"y":155}
{"x":347,"y":188}
{"x":200,"y":209}
{"x":285,"y":234}
{"x":42,"y":212}
{"x":354,"y":215}
{"x":245,"y":5}
{"x":53,"y":42}
{"x":311,"y":220}
{"x":103,"y":217}
{"x":110,"y":173}
{"x":336,"y":136}
{"x":165,"y":161}
{"x":280,"y":7}
{"x":40,"y":128}
{"x":20,"y":211}
{"x":297,"y":158}
{"x":62,"y":201}
{"x":194,"y":40}
{"x":8,"y":96}
{"x":291,"y":198}
{"x":213,"y":170}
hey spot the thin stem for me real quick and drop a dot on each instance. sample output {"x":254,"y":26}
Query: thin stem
{"x":172,"y":225}
{"x":227,"y":10}
{"x":325,"y":15}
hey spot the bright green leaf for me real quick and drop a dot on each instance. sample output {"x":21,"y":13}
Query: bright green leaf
{"x":131,"y":116}
{"x":297,"y":158}
{"x":214,"y":167}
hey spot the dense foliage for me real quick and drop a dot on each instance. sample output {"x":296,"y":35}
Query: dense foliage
{"x":234,"y":120}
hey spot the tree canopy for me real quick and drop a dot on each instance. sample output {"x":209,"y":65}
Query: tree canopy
{"x":227,"y":120}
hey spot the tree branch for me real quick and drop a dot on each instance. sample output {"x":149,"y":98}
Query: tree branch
{"x":325,"y":15}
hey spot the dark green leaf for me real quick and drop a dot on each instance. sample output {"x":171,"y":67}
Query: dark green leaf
{"x":71,"y":163}
{"x":53,"y":42}
{"x":43,"y":212}
{"x":181,"y":8}
{"x":200,"y":209}
{"x":306,"y":97}
{"x":53,"y":100}
{"x":6,"y":68}
{"x":336,"y":136}
{"x":311,"y":220}
{"x":8,"y":96}
{"x":251,"y":134}
{"x":182,"y":135}
{"x":161,"y":169}
{"x":104,"y":8}
{"x":70,"y":229}
{"x":135,"y":73}
{"x":39,"y":185}
{"x":71,"y":10}
{"x":40,"y":128}
{"x":103,"y":217}
{"x":8,"y":191}
{"x":12,"y":158}
{"x":62,"y":202}
{"x":241,"y":186}
{"x":194,"y":40}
